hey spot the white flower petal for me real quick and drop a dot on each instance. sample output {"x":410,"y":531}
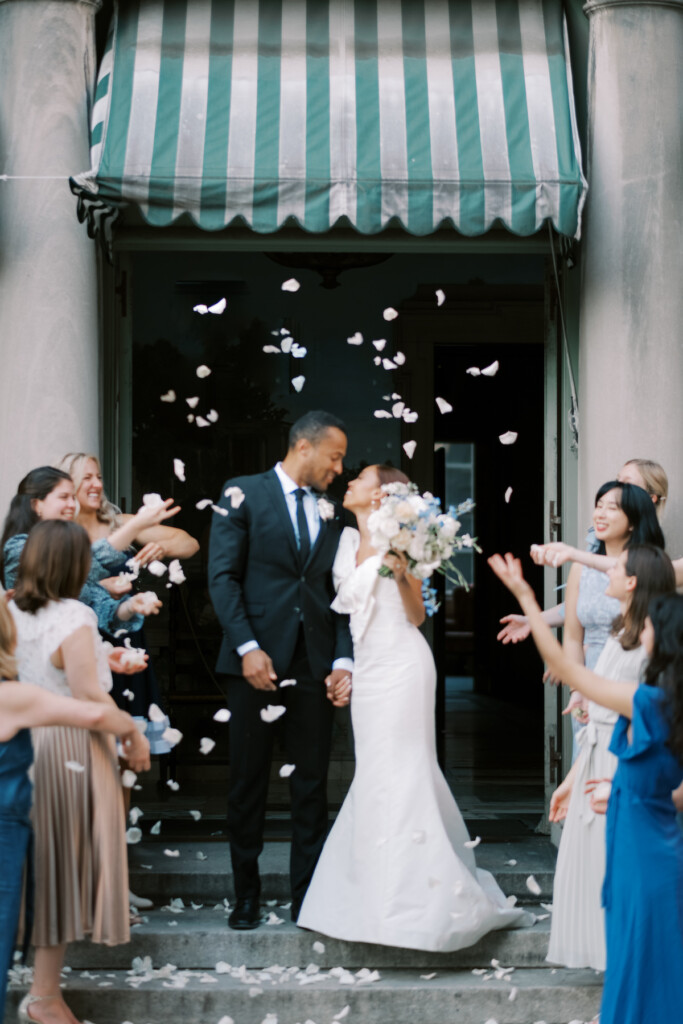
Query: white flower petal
{"x":473,"y":371}
{"x":74,"y":766}
{"x":290,"y":285}
{"x":226,"y":1020}
{"x":218,"y":307}
{"x":196,"y":815}
{"x":319,"y":947}
{"x":382,"y":414}
{"x":179,"y":469}
{"x":134,"y":815}
{"x":443,"y":405}
{"x":152,"y":499}
{"x":388,"y":365}
{"x":128,"y":694}
{"x":355,"y":339}
{"x":201,"y":856}
{"x":172,"y":784}
{"x":204,"y":503}
{"x":472,"y":843}
{"x":272,"y":349}
{"x":325,"y":509}
{"x":380,"y":344}
{"x":156,"y":567}
{"x":299,"y":351}
{"x":286,"y":345}
{"x":222,"y":715}
{"x":508,"y":438}
{"x":397,"y":409}
{"x":428,"y":977}
{"x":206,"y":745}
{"x":409,"y":416}
{"x":203,"y":371}
{"x":212,"y":416}
{"x":491,"y":370}
{"x":272,"y":712}
{"x":201,"y":422}
{"x":513,"y":994}
{"x":155,"y":829}
{"x":508,"y":495}
{"x":342,"y":1013}
{"x":219,"y":510}
{"x":236,"y":495}
{"x":399,"y":359}
{"x":533,"y":886}
{"x":190,"y":418}
{"x":409,"y":448}
{"x":171,"y":853}
{"x":287,"y":682}
{"x":192,"y":401}
{"x":170,"y":396}
{"x":286,"y":770}
{"x":155,"y":714}
{"x":128,"y":779}
{"x":172,"y":736}
{"x":283,"y":330}
{"x":133,"y":835}
{"x":377,"y":360}
{"x":512,"y":863}
{"x":274,"y":919}
{"x":175,"y":571}
{"x":200,"y":308}
{"x":390,"y":313}
{"x":298,"y":382}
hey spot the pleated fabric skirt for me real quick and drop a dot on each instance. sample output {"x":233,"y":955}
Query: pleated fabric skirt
{"x":81,"y":867}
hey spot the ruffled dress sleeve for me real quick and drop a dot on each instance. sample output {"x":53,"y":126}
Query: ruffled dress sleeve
{"x":65,"y":618}
{"x":649,"y":724}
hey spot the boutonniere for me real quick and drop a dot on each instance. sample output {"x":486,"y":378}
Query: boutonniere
{"x":325,"y":509}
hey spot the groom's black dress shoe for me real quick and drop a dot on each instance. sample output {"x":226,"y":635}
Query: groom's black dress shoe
{"x":246,"y":915}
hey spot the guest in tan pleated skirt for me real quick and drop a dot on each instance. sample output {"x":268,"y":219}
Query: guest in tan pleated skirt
{"x":80,"y":861}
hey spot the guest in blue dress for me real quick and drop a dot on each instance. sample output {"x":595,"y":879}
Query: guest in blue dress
{"x":643,"y":887}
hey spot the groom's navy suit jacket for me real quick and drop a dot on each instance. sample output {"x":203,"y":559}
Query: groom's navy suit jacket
{"x":259,"y":587}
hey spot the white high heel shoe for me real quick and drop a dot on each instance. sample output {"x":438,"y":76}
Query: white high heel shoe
{"x":23,"y":1014}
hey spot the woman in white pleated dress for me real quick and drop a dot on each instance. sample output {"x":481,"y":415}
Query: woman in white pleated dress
{"x":398,"y":867}
{"x":577,"y":937}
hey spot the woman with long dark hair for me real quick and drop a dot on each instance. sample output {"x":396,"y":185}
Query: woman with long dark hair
{"x":577,"y":934}
{"x":644,"y":865}
{"x":398,"y":867}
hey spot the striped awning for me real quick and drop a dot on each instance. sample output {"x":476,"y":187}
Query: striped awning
{"x":370,"y":113}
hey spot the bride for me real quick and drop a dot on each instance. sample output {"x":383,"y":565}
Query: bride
{"x":398,"y":867}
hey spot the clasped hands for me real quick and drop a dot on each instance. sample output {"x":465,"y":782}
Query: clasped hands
{"x":257,"y":669}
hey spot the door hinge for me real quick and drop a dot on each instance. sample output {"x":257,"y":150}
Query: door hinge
{"x":554,"y":762}
{"x":554,"y":520}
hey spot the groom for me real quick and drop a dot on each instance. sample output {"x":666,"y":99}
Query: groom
{"x":270,"y":580}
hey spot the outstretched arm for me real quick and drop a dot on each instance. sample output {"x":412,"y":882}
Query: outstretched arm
{"x":606,"y":692}
{"x":557,"y":553}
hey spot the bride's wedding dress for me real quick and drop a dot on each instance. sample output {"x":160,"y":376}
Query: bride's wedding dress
{"x":395,"y":869}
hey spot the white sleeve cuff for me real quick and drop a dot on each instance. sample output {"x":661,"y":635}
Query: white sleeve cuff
{"x":251,"y":645}
{"x":345,"y":664}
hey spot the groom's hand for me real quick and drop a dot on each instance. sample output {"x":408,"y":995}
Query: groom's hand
{"x":338,"y":684}
{"x":257,"y":669}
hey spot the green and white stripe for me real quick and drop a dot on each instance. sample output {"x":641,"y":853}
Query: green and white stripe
{"x":318,"y":112}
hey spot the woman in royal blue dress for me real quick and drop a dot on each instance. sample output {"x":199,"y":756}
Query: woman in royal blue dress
{"x":643,"y":888}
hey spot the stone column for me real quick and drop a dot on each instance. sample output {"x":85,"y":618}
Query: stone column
{"x":48,"y":275}
{"x":631,"y":326}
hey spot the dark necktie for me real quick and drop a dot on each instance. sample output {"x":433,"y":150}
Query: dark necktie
{"x":302,"y":523}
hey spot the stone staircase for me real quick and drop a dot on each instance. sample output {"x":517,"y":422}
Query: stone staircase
{"x":185,"y":966}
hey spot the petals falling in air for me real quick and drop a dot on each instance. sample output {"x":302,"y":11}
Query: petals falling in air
{"x":298,"y":382}
{"x":218,"y":307}
{"x":170,"y":396}
{"x":443,"y":405}
{"x":290,"y":285}
{"x":440,"y":296}
{"x":206,"y":745}
{"x":272,"y":712}
{"x":409,"y":448}
{"x":179,"y":469}
{"x":508,"y":438}
{"x":355,"y":339}
{"x":202,"y":371}
{"x":390,"y":313}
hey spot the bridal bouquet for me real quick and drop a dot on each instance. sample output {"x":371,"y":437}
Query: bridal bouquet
{"x":415,"y":525}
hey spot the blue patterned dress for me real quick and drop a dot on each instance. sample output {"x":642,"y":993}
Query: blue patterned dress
{"x":104,"y":559}
{"x":643,"y":890}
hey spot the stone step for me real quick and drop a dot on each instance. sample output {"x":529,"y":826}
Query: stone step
{"x":202,"y":938}
{"x":160,"y":877}
{"x":399,"y":996}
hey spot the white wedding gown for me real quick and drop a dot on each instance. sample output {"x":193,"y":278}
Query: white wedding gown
{"x":395,"y":869}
